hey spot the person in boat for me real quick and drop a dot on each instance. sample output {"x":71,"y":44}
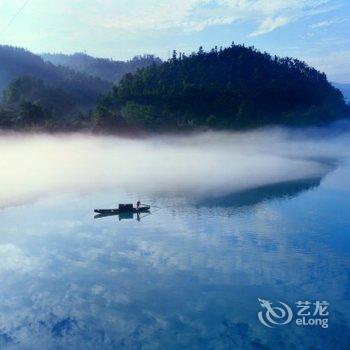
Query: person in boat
{"x":138,"y":204}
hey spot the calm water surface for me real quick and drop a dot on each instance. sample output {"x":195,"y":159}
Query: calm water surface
{"x":186,"y":277}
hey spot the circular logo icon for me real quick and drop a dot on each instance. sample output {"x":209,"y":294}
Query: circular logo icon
{"x":274,"y":315}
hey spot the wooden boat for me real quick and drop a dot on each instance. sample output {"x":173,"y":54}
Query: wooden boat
{"x":124,"y":209}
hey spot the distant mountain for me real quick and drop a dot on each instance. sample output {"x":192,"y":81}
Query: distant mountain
{"x":30,"y":104}
{"x":106,"y":69}
{"x":345,"y":89}
{"x":83,"y":89}
{"x":233,"y":88}
{"x":40,"y":95}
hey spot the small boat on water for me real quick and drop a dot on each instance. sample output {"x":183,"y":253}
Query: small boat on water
{"x":124,"y":209}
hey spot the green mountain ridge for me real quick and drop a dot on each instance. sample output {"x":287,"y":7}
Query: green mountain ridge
{"x":106,"y":69}
{"x":16,"y":62}
{"x":232,"y":88}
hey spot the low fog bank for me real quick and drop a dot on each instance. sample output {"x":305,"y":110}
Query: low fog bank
{"x":202,"y":165}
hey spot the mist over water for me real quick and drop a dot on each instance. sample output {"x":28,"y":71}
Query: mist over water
{"x":189,"y":274}
{"x":202,"y":165}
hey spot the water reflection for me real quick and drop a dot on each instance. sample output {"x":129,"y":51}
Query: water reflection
{"x":260,"y":194}
{"x":124,"y":216}
{"x":188,"y":278}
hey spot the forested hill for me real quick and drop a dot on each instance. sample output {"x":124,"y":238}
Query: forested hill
{"x":84,"y":90}
{"x":106,"y":69}
{"x":236,"y":87}
{"x":233,"y":88}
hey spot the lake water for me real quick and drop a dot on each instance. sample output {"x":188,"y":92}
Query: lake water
{"x":187,"y":276}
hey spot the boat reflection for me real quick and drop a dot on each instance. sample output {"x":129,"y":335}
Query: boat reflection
{"x":123,"y":216}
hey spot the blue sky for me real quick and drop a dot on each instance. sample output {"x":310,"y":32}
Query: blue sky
{"x":316,"y":31}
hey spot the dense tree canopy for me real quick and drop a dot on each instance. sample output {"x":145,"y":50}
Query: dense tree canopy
{"x":29,"y":103}
{"x":236,"y":87}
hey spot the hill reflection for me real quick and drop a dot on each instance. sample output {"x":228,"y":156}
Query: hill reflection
{"x":260,"y":194}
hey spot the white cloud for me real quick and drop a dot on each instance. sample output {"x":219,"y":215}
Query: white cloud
{"x":195,"y":15}
{"x":67,"y":26}
{"x":322,"y":24}
{"x":270,"y":24}
{"x":133,"y":17}
{"x":14,"y":259}
{"x":327,"y":23}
